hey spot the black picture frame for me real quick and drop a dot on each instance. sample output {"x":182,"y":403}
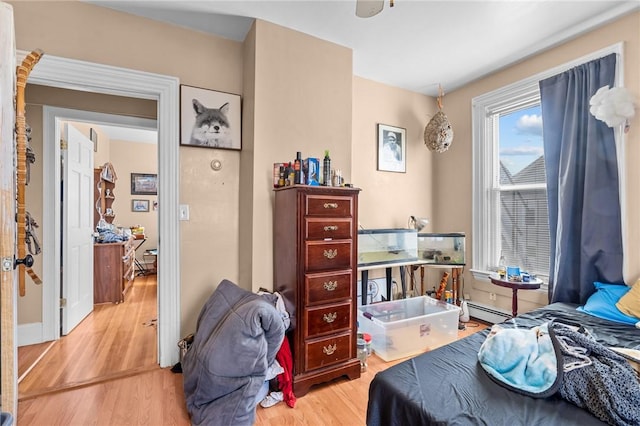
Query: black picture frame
{"x":392,"y":149}
{"x":210,"y":119}
{"x":144,"y":184}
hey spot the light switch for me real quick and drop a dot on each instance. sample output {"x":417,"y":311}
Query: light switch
{"x":184,"y":211}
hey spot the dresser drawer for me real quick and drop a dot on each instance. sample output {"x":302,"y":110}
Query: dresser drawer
{"x":329,"y":206}
{"x":327,"y":351}
{"x":328,"y":319}
{"x":324,"y":256}
{"x":327,"y":287}
{"x":328,"y":229}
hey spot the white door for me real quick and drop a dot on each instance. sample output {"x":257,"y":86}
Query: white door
{"x":77,"y":228}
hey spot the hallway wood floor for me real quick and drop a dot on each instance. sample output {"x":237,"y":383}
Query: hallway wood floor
{"x":113,"y":341}
{"x":152,"y":396}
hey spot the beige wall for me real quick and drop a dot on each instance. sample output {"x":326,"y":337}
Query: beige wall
{"x":453,"y":171}
{"x":388,"y":198}
{"x":209,"y":241}
{"x":245,"y":234}
{"x":131,"y":157}
{"x":300,"y":101}
{"x":298,"y":95}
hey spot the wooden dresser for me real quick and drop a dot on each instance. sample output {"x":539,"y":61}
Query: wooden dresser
{"x":113,"y":270}
{"x":315,"y":265}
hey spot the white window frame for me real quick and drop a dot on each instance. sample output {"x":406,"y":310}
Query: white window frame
{"x":485,"y":200}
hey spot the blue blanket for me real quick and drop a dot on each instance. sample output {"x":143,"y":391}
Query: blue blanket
{"x":556,"y":357}
{"x":522,"y":359}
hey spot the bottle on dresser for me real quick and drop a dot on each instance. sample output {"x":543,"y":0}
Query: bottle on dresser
{"x":326,"y":169}
{"x":297,"y":167}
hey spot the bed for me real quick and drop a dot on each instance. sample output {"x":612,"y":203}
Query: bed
{"x":447,"y":386}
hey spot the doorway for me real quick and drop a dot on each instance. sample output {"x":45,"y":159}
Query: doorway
{"x":129,"y":144}
{"x":84,"y":76}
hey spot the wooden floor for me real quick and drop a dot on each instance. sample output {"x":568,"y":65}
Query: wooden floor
{"x":149,"y":395}
{"x":341,"y":402}
{"x":112,"y":341}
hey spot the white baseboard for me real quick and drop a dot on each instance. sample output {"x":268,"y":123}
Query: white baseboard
{"x":487,"y":313}
{"x":30,"y":334}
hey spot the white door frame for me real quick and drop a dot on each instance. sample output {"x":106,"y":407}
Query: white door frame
{"x":85,"y":76}
{"x":51,"y":120}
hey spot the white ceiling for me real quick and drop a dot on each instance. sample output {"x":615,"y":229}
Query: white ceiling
{"x":414,"y":45}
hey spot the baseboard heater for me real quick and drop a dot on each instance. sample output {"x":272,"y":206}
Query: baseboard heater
{"x":487,"y":313}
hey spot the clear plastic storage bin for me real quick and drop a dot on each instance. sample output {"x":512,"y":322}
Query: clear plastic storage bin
{"x":408,"y":327}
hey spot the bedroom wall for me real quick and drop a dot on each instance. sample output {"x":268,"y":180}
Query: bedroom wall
{"x":327,"y":108}
{"x":388,"y":199}
{"x":455,"y":166}
{"x":209,"y":241}
{"x":314,"y":117}
{"x":299,"y":92}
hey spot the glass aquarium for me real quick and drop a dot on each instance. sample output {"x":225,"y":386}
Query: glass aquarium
{"x":379,"y":246}
{"x":447,"y":249}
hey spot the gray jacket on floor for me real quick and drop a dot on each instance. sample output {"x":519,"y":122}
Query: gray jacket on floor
{"x":236,"y":339}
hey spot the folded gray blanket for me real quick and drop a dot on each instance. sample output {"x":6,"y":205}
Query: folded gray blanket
{"x":237,"y":338}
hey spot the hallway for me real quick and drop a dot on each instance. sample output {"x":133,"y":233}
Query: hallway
{"x":113,"y":341}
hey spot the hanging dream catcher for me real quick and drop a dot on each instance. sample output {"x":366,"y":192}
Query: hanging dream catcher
{"x":438,"y":134}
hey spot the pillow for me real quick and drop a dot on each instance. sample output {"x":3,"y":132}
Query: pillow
{"x":602,"y":303}
{"x":629,"y":304}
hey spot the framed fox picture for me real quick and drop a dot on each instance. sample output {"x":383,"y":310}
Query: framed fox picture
{"x":209,"y":119}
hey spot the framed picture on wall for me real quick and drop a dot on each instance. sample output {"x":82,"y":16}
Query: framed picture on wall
{"x":139,"y":205}
{"x":392,"y":148}
{"x":209,"y":119}
{"x":144,"y":184}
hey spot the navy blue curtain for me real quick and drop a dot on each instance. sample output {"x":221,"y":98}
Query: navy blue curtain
{"x":582,"y":183}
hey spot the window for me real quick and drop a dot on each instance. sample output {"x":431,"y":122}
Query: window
{"x":510,"y":196}
{"x":509,"y":184}
{"x":522,"y":189}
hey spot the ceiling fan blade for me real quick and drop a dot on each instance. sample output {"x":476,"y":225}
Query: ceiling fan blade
{"x":368,"y":8}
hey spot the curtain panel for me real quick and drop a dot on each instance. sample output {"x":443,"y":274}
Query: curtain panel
{"x":582,"y":183}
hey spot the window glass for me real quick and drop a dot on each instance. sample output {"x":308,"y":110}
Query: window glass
{"x":524,"y":222}
{"x":520,"y":146}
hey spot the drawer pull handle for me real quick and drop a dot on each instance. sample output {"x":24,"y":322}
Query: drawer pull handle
{"x":330,"y":285}
{"x":330,"y":205}
{"x":330,"y":317}
{"x":330,"y":254}
{"x":329,"y":350}
{"x":331,"y":228}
